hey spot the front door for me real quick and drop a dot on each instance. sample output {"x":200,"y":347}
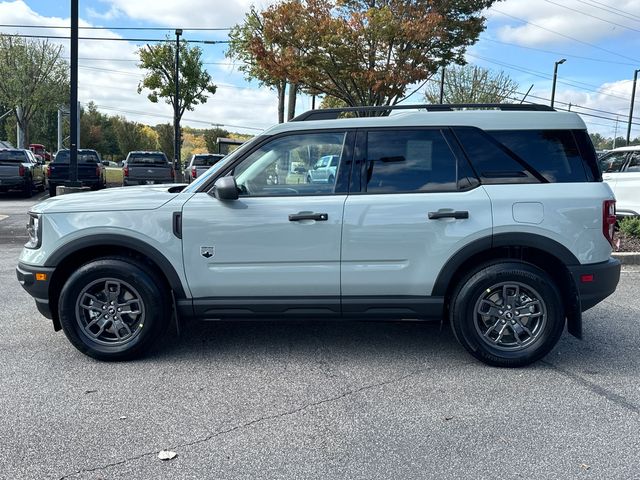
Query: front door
{"x":275,"y":250}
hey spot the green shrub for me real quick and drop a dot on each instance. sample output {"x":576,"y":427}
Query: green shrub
{"x":630,"y":226}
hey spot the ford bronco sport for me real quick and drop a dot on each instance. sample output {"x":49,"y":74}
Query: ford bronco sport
{"x":494,"y":218}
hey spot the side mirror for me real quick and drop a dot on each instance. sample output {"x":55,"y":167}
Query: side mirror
{"x":225,"y":188}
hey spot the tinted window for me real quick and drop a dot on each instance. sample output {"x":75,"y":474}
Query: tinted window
{"x":553,"y":154}
{"x":206,"y":160}
{"x":612,"y":162}
{"x":12,"y":156}
{"x":83,"y":157}
{"x":287,"y":166}
{"x":493,"y":163}
{"x":409,"y":161}
{"x":634,"y":163}
{"x":146,"y":158}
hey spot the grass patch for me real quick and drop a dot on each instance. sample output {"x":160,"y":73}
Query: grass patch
{"x":630,"y":226}
{"x":114,"y":176}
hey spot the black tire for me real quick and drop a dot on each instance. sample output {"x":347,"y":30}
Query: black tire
{"x":81,"y":316}
{"x":27,"y":189}
{"x":490,"y":331}
{"x":52,"y":190}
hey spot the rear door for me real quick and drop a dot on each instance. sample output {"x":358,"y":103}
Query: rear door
{"x":418,"y":204}
{"x":276,"y":249}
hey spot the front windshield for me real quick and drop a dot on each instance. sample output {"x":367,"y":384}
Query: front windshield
{"x":194,"y":186}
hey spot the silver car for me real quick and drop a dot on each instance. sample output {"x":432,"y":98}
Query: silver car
{"x":324,"y":170}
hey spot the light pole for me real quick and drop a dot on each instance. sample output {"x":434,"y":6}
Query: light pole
{"x":633,"y":97}
{"x":177,"y":168}
{"x":555,"y":79}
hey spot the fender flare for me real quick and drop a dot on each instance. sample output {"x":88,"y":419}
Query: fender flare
{"x":539,"y":242}
{"x":114,"y":240}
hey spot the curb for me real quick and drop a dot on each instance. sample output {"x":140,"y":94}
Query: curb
{"x":627,"y":258}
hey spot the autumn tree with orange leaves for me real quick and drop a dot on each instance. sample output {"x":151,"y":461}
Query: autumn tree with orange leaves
{"x":362,"y":52}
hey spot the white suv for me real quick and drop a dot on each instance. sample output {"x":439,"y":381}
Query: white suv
{"x":621,"y":170}
{"x":495,"y":219}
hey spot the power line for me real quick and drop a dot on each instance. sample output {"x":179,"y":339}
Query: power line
{"x":562,"y":54}
{"x":612,"y":52}
{"x":119,"y":39}
{"x":157,"y":29}
{"x":608,"y":8}
{"x":576,"y":84}
{"x":592,"y":16}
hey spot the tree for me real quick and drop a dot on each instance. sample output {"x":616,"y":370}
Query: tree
{"x":472,"y":84}
{"x":364,"y":52}
{"x":133,"y":136}
{"x":211,"y":138}
{"x":165,"y":139}
{"x":247,"y":41}
{"x":159,"y":62}
{"x":34,"y":78}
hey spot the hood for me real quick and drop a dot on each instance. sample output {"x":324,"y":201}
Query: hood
{"x":145,"y":197}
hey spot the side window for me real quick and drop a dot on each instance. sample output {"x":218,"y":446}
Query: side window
{"x":291,"y":165}
{"x":553,"y":154}
{"x":492,"y":161}
{"x":634,"y":163}
{"x":409,"y":161}
{"x":613,"y":162}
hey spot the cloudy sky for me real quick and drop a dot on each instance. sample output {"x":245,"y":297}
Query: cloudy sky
{"x":599,"y":38}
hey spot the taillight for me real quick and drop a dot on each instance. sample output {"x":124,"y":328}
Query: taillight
{"x":194,"y":172}
{"x":173,"y":173}
{"x":21,"y":170}
{"x":608,"y":219}
{"x":125,"y":171}
{"x":98,"y":171}
{"x":48,"y":171}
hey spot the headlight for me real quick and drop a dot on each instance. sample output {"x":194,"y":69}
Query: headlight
{"x":34,"y":230}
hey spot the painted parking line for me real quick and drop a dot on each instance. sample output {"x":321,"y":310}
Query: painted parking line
{"x":2,"y":217}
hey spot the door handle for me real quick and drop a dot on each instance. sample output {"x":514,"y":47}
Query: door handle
{"x":296,"y":217}
{"x":458,"y":215}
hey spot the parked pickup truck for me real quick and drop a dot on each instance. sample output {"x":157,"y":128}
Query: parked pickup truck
{"x":143,"y":168}
{"x":20,"y":170}
{"x":91,"y":173}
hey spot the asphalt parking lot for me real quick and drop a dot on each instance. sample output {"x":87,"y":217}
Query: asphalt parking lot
{"x":314,"y":400}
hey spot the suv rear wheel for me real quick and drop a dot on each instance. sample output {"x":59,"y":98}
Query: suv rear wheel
{"x":507,"y":314}
{"x":111,"y":309}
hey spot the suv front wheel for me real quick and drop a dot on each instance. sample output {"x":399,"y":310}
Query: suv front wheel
{"x":111,"y":308}
{"x":507,"y":314}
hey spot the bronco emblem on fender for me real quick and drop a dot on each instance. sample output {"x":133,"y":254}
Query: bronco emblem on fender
{"x":207,"y":252}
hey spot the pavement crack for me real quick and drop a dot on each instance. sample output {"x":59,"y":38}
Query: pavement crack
{"x":595,"y":388}
{"x":251,"y":423}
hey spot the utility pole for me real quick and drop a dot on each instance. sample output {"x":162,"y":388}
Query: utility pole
{"x":633,"y":98}
{"x":555,"y":79}
{"x":74,"y":113}
{"x":442,"y":86}
{"x":176,"y":113}
{"x":615,"y":132}
{"x":19,"y":130}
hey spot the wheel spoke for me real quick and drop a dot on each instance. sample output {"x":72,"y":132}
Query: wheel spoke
{"x":112,"y":290}
{"x":494,"y":309}
{"x":493,"y":327}
{"x":500,"y":334}
{"x":129,"y":303}
{"x":515,"y":335}
{"x":102,"y":327}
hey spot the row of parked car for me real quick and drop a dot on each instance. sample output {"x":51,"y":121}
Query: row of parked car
{"x":23,"y":170}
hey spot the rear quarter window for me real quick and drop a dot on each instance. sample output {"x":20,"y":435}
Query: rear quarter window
{"x":8,"y":156}
{"x":554,"y":154}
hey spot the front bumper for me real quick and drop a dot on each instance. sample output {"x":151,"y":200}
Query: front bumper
{"x":595,"y":281}
{"x":38,"y":289}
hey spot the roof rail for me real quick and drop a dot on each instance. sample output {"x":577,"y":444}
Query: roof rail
{"x":334,"y":113}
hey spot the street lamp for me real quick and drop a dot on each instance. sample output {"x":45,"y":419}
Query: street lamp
{"x":555,"y":79}
{"x":633,"y":97}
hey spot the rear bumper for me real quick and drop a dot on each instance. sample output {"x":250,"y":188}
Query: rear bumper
{"x":12,"y":182}
{"x":38,"y":289}
{"x":128,"y":182}
{"x":596,"y":281}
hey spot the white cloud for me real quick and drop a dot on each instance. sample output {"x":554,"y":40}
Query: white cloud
{"x":602,"y":108}
{"x":109,"y":77}
{"x":558,"y":17}
{"x":187,"y":13}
